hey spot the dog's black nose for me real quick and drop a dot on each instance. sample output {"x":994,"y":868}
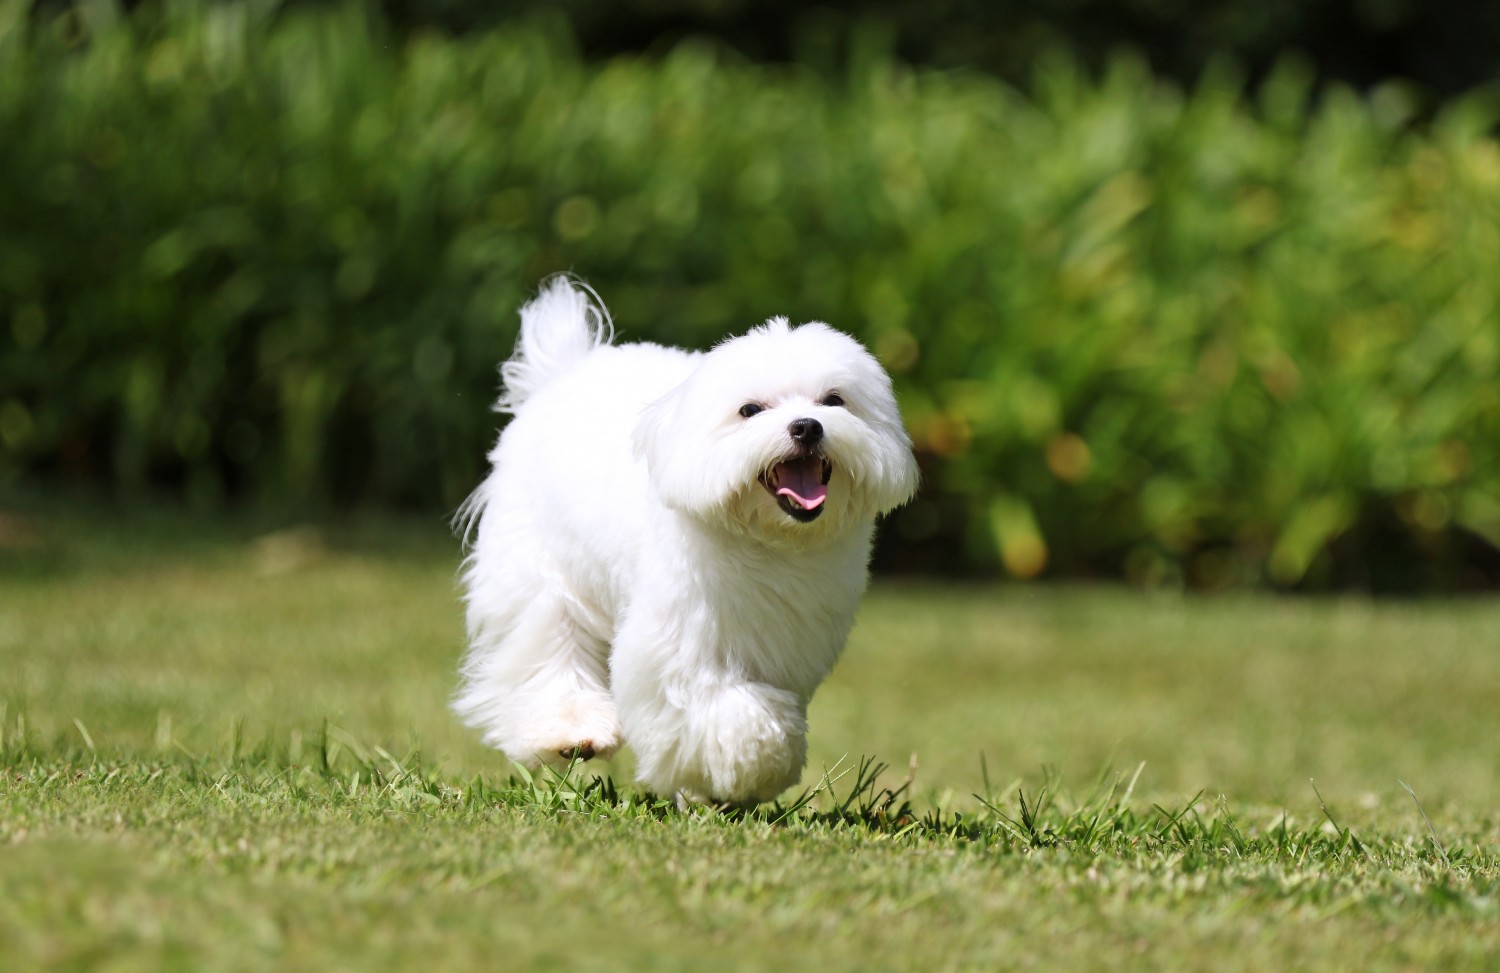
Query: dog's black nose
{"x":806,"y":432}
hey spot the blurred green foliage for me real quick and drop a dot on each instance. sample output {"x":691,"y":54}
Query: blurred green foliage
{"x":1193,"y":337}
{"x":1444,"y":47}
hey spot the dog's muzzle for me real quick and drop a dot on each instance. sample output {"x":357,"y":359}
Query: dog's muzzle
{"x":800,"y":481}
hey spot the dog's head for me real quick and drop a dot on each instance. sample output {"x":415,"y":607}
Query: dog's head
{"x":785,"y":432}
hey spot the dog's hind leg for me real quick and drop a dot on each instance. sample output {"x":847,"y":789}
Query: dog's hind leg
{"x":537,"y":684}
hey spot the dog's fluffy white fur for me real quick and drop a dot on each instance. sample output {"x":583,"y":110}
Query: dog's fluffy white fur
{"x":670,"y":546}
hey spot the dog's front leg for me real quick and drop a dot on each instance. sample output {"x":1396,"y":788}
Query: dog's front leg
{"x":700,"y":731}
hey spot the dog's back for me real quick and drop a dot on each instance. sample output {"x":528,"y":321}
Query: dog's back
{"x":562,"y":500}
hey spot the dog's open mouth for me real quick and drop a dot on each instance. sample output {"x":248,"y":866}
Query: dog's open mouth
{"x":800,"y":485}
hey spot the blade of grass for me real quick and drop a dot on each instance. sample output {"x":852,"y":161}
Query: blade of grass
{"x":1431,"y":831}
{"x":1346,"y":832}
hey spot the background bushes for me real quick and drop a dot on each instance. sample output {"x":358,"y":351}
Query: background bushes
{"x":1443,"y":46}
{"x":1176,"y":335}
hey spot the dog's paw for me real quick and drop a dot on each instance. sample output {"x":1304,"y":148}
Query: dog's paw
{"x":579,"y":729}
{"x":738,"y":745}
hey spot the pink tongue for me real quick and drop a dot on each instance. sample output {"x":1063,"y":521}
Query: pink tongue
{"x":802,"y":480}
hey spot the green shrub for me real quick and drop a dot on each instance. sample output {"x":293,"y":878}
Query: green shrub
{"x":1134,"y":330}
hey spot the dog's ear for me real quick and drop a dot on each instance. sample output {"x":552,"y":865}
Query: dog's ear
{"x":889,"y":476}
{"x":658,"y":442}
{"x":896,"y":475}
{"x":690,"y":464}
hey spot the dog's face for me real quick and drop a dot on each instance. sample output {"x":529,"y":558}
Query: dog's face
{"x":784,"y":432}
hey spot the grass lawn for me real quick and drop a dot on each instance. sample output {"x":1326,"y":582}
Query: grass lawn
{"x":227,"y":747}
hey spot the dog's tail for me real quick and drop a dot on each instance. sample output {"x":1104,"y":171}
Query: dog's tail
{"x":559,"y":327}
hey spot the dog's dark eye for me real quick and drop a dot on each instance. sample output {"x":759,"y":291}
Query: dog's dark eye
{"x":833,"y":400}
{"x":749,"y":409}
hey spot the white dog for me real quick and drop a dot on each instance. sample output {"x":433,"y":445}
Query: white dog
{"x":670,"y":547}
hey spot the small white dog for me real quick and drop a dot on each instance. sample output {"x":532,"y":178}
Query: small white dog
{"x":670,"y":547}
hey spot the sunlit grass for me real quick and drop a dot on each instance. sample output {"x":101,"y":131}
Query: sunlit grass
{"x":227,"y":746}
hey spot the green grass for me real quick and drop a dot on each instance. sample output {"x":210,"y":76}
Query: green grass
{"x":226,"y":747}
